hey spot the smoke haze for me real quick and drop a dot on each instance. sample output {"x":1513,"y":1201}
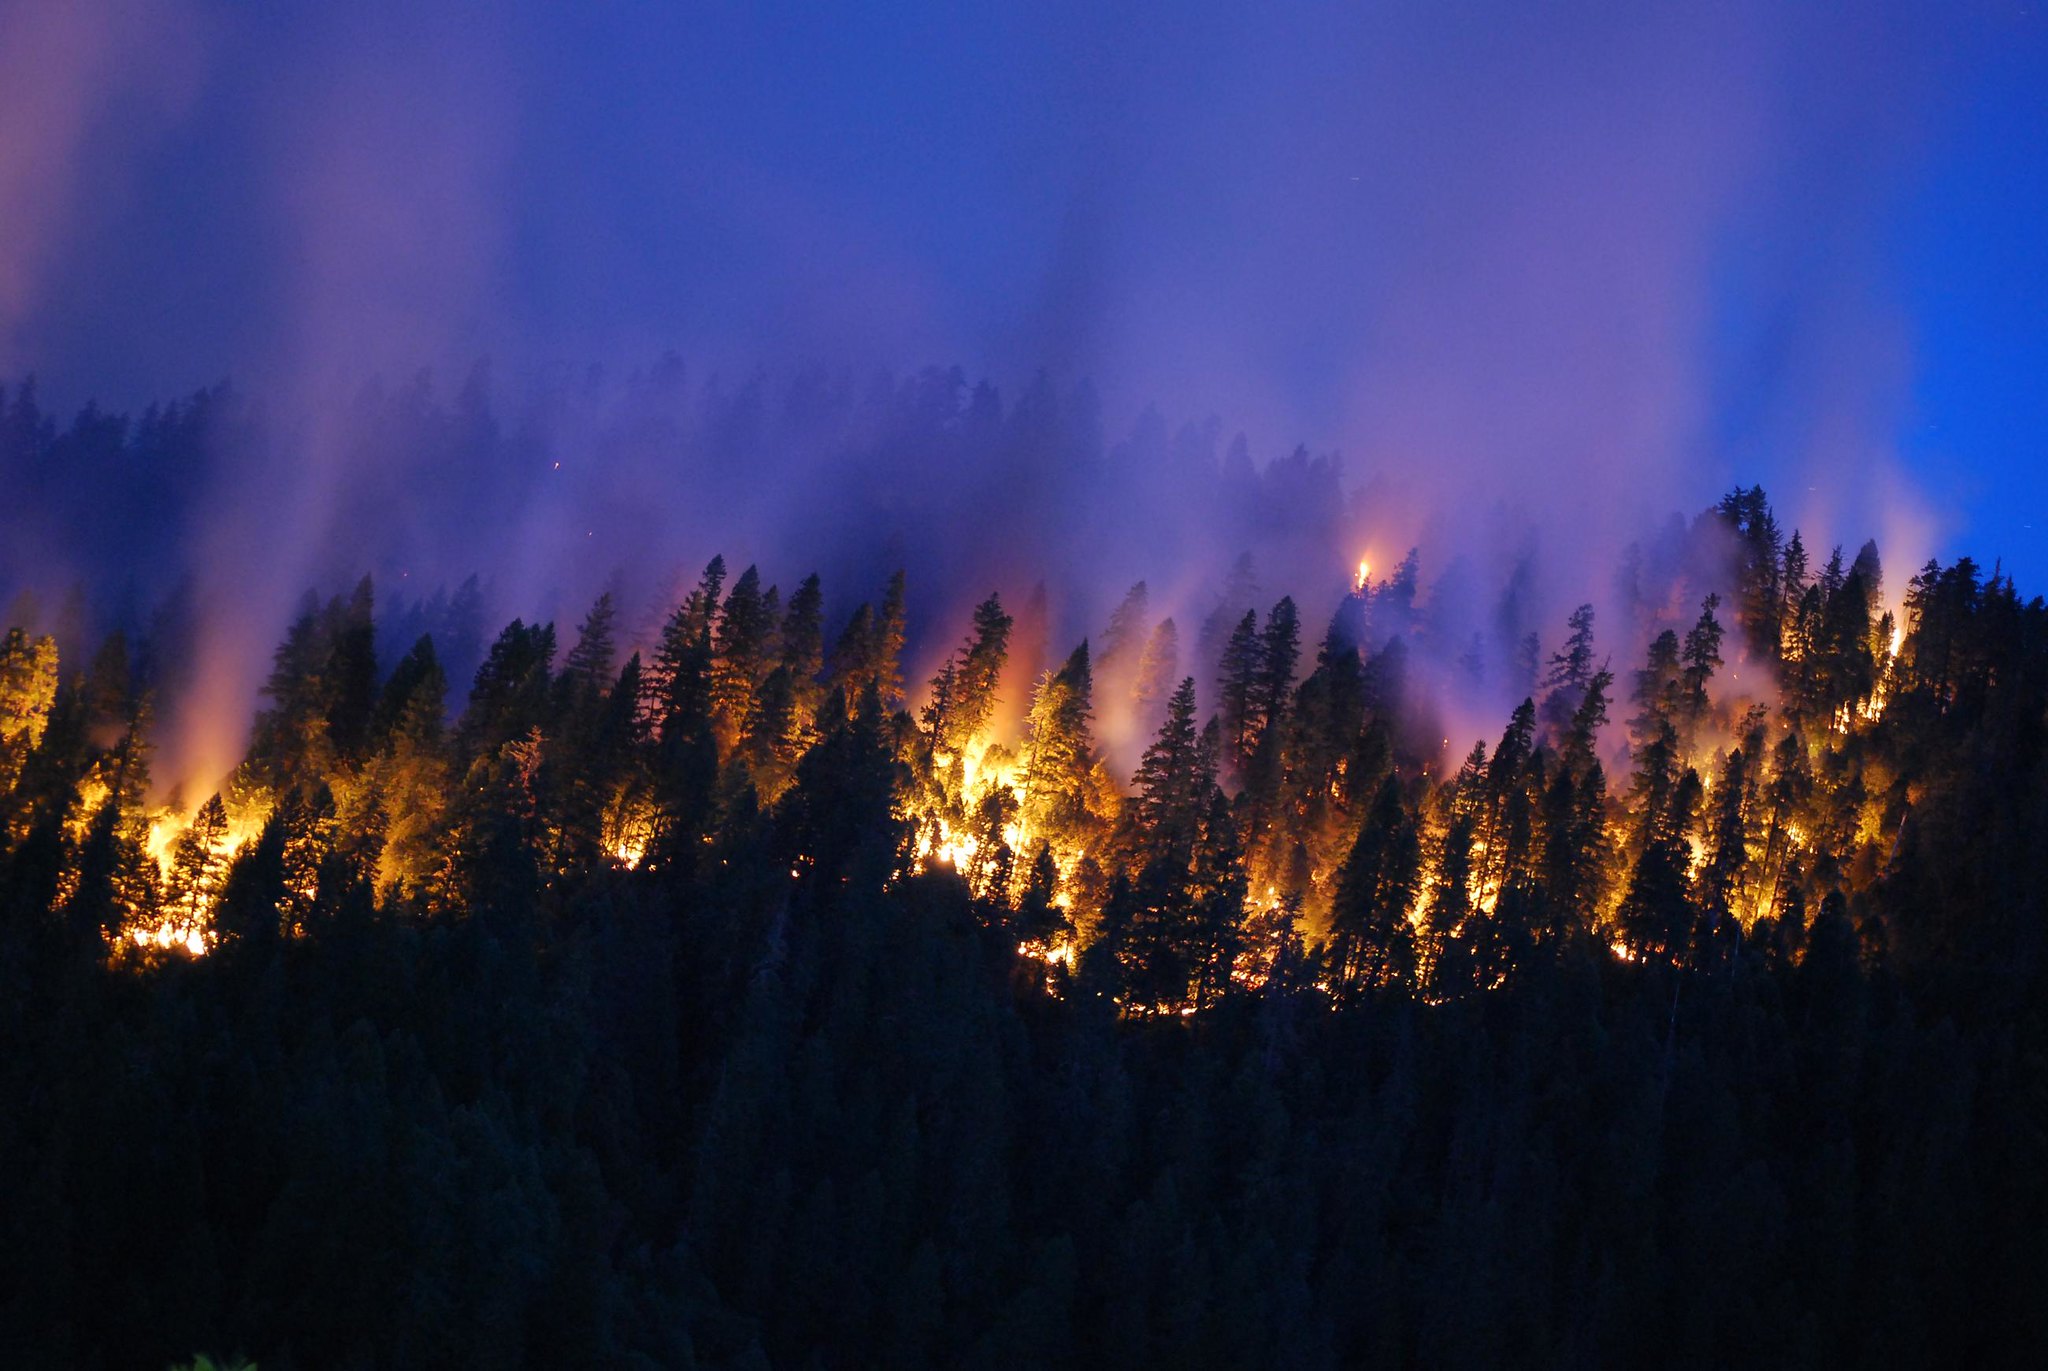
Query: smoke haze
{"x":1524,"y":281}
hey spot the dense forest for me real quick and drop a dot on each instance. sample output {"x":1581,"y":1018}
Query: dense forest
{"x":734,"y":998}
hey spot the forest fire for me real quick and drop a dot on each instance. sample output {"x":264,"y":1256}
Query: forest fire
{"x":192,"y":855}
{"x":1238,"y":796}
{"x":743,"y":871}
{"x":1299,"y":786}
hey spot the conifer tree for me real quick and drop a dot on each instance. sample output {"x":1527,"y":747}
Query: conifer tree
{"x":1657,"y":913}
{"x":1571,"y":668}
{"x":1698,"y":662}
{"x":973,"y":693}
{"x":1060,"y":754}
{"x":802,"y":639}
{"x":1279,"y":653}
{"x":198,"y":865}
{"x":1174,"y":780}
{"x":683,"y":659}
{"x":867,"y":656}
{"x":1237,"y":690}
{"x":889,"y":635}
{"x":1759,"y":569}
{"x":1722,"y":875}
{"x":743,"y":653}
{"x":1370,"y":932}
{"x":1505,"y":831}
{"x":1216,"y":898}
{"x":589,"y":667}
{"x":1656,"y":692}
{"x":1575,"y":847}
{"x":1792,"y":582}
{"x":248,"y":917}
{"x":511,"y":694}
{"x":28,"y":690}
{"x":1451,"y":897}
{"x":412,"y":772}
{"x":350,"y":676}
{"x":290,"y":736}
{"x":1039,"y":919}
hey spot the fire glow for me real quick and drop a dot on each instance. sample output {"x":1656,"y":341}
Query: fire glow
{"x":1248,"y":844}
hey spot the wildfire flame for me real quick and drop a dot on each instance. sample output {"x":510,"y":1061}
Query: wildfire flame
{"x":190,"y":929}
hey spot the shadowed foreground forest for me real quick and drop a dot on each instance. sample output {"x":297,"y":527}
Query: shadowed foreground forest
{"x":735,"y":1003}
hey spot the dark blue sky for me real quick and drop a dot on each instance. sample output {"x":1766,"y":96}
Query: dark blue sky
{"x":1593,"y":256}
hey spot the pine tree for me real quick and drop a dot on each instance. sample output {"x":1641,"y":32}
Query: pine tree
{"x":1728,"y":836}
{"x":1792,"y":579}
{"x":1759,"y":569}
{"x":110,"y":697}
{"x":1059,"y":755}
{"x":1237,"y":690}
{"x":867,"y":656}
{"x":1216,"y":898}
{"x":1279,"y":653}
{"x":28,"y":691}
{"x":743,"y":651}
{"x":248,"y":917}
{"x":1451,"y":897}
{"x":685,"y":766}
{"x":1697,"y":665}
{"x":350,"y":676}
{"x":853,"y":655}
{"x":1571,"y":668}
{"x":682,"y":661}
{"x":1377,"y":885}
{"x":589,"y":667}
{"x":1656,"y":692}
{"x":411,"y":775}
{"x":290,"y":737}
{"x":1575,"y":846}
{"x":802,"y":638}
{"x":889,"y":634}
{"x":1039,"y":919}
{"x":1505,"y":831}
{"x":980,"y":674}
{"x":1574,"y":818}
{"x":511,"y":694}
{"x":198,"y":865}
{"x":1174,"y":780}
{"x":1588,"y":718}
{"x":1657,"y":913}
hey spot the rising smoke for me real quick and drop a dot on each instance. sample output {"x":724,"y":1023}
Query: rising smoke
{"x":1541,"y":278}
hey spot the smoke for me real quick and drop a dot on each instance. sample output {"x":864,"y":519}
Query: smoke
{"x":80,"y":88}
{"x":1526,"y":280}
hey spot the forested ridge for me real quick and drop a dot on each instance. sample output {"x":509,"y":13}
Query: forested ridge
{"x":737,"y":1001}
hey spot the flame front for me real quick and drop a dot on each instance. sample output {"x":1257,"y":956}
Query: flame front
{"x":1280,"y":839}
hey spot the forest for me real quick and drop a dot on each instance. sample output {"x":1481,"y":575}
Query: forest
{"x":736,"y":994}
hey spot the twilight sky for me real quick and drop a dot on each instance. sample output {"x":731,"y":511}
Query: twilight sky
{"x":1612,"y":257}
